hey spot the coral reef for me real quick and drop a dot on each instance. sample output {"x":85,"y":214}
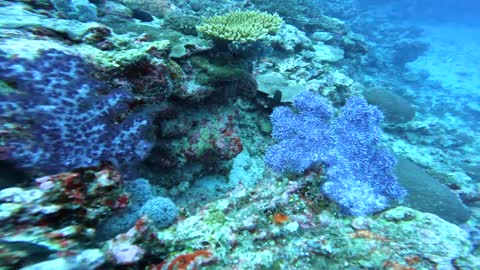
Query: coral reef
{"x":202,"y":141}
{"x":240,"y":232}
{"x":59,"y":214}
{"x":177,"y":93}
{"x":241,"y":26}
{"x":300,"y":61}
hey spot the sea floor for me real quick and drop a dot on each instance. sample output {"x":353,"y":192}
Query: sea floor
{"x":453,"y":57}
{"x":443,"y":135}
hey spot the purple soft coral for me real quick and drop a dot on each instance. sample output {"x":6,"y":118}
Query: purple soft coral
{"x":66,"y":123}
{"x":360,"y":174}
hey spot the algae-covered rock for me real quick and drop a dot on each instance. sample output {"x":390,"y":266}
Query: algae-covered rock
{"x":128,"y":56}
{"x":183,"y":24}
{"x":321,"y":36}
{"x":427,"y":194}
{"x":185,"y":45}
{"x":18,"y":16}
{"x":400,"y":238}
{"x":159,"y":8}
{"x":426,"y":235}
{"x":336,"y":86}
{"x":265,"y":125}
{"x":108,"y":60}
{"x":397,"y":109}
{"x":328,"y":53}
{"x":81,"y":10}
{"x":87,"y":259}
{"x":273,"y":82}
{"x":289,"y":38}
{"x":241,"y":26}
{"x":30,"y":48}
{"x":211,"y":70}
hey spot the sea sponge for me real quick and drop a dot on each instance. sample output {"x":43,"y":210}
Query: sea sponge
{"x":241,"y":26}
{"x":162,"y":211}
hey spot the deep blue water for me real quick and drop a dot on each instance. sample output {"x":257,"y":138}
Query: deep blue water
{"x":459,"y":11}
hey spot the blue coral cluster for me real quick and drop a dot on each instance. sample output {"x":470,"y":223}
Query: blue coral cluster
{"x":66,"y":123}
{"x":360,"y":173}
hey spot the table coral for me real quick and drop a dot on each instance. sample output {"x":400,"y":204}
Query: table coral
{"x":241,"y":26}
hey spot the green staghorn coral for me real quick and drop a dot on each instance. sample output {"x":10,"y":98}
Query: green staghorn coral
{"x":241,"y":26}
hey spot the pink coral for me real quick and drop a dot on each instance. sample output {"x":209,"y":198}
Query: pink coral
{"x":124,"y":253}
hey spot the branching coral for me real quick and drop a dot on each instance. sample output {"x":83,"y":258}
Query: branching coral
{"x":241,"y":26}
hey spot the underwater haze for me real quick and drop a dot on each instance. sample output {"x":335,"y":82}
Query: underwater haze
{"x":239,"y":134}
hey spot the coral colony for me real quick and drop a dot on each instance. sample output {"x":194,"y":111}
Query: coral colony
{"x":360,"y":173}
{"x":65,"y":121}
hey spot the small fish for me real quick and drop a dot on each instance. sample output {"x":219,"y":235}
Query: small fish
{"x":142,"y":15}
{"x":35,"y":252}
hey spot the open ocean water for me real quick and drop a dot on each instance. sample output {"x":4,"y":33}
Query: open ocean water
{"x":239,"y":134}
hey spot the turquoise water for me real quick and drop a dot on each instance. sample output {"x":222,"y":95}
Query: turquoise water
{"x":207,"y":134}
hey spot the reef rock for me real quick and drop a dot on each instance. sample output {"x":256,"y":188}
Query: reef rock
{"x":427,"y":194}
{"x":273,"y":82}
{"x":328,"y":53}
{"x":397,"y":109}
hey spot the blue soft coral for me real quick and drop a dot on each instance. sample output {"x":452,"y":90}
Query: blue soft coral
{"x":360,"y":173}
{"x":66,"y":122}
